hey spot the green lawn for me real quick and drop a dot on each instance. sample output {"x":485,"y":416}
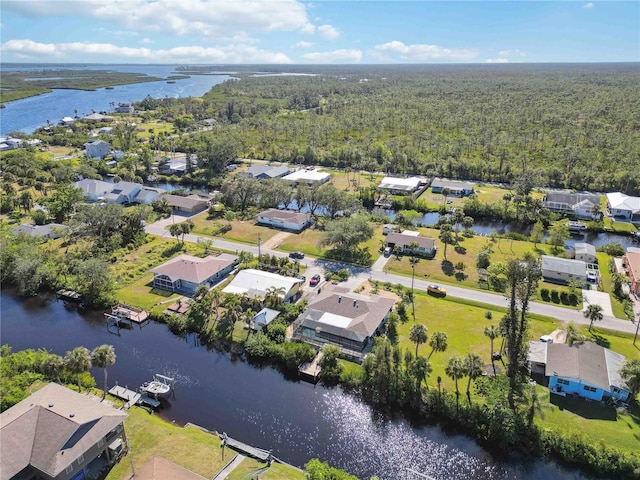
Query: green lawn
{"x":277,"y":471}
{"x":618,"y":226}
{"x":242,"y":231}
{"x":306,"y":242}
{"x":605,"y":275}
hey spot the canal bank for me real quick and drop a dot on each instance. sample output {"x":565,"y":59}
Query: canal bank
{"x":259,"y":406}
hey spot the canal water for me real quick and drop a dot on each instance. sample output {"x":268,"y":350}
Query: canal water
{"x":258,"y":405}
{"x":30,"y":113}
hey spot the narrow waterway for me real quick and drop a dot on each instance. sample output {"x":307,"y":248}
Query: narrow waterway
{"x":260,"y":406}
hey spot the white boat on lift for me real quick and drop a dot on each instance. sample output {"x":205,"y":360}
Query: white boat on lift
{"x":576,"y":226}
{"x":160,"y":386}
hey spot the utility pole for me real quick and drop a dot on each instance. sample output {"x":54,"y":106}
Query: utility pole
{"x":259,"y":241}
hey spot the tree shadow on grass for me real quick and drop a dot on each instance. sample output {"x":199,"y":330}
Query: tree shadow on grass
{"x":460,"y":249}
{"x":599,"y":339}
{"x":584,"y":408}
{"x":447,"y":268}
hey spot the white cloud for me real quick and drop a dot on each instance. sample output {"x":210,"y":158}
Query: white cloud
{"x":588,"y":5}
{"x":211,"y":18}
{"x":512,"y":53}
{"x":146,"y":41}
{"x":82,"y":51}
{"x":336,"y":56}
{"x":496,"y":60}
{"x":395,"y":51}
{"x":329,"y":32}
{"x":303,"y":45}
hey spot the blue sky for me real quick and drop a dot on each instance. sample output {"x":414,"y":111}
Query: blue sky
{"x":293,"y":31}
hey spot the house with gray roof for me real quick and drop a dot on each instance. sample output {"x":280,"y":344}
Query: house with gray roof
{"x":147,"y":195}
{"x":123,"y":192}
{"x":263,"y":318}
{"x":262,"y":172}
{"x":189,"y":203}
{"x":585,"y":252}
{"x":56,"y":433}
{"x":410,"y":242}
{"x":45,"y":232}
{"x":185,"y":273}
{"x":343,"y":318}
{"x":286,"y":219}
{"x":456,"y":188}
{"x":586,"y":370}
{"x":563,"y":270}
{"x":94,"y":190}
{"x":580,"y":205}
{"x":97,"y":149}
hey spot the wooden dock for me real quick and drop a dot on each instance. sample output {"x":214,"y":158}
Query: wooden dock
{"x":132,"y":314}
{"x":129,"y":396}
{"x":254,"y":452}
{"x":311,"y":370}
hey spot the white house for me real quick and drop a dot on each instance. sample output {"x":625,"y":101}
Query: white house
{"x":67,"y":121}
{"x":263,"y":318}
{"x":93,"y":190}
{"x":286,"y":219}
{"x":256,"y":283}
{"x":623,"y":207}
{"x":97,"y":149}
{"x":400,"y":186}
{"x":148,"y":195}
{"x":123,"y":192}
{"x":308,"y":176}
{"x":563,"y":270}
{"x":44,"y":232}
{"x":456,"y":188}
{"x":585,"y":252}
{"x":580,"y":205}
{"x":409,"y":242}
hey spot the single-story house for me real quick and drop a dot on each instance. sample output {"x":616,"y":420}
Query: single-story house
{"x":97,"y":149}
{"x":580,"y":205}
{"x":208,"y":122}
{"x":388,"y":228}
{"x":400,"y":186}
{"x":623,"y":207}
{"x":186,"y":273}
{"x":307,"y":176}
{"x":106,"y":130}
{"x":585,"y":252}
{"x":9,"y":143}
{"x":563,"y":270}
{"x":147,"y":195}
{"x":123,"y":192}
{"x":340,"y":317}
{"x":175,"y":166}
{"x":262,"y":172}
{"x":586,"y":370}
{"x":537,"y":357}
{"x":631,"y":262}
{"x":401,"y":242}
{"x":45,"y":232}
{"x":67,"y":121}
{"x":257,"y":283}
{"x":97,"y":117}
{"x":456,"y":188}
{"x":56,"y":433}
{"x":190,"y":203}
{"x":263,"y":318}
{"x":286,"y":219}
{"x":93,"y":190}
{"x":125,"y":108}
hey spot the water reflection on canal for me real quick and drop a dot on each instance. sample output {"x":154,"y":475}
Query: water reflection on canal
{"x":259,"y":405}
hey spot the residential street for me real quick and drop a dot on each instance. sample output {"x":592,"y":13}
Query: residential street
{"x":376,"y":272}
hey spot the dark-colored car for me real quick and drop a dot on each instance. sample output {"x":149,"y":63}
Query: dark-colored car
{"x":315,"y":280}
{"x":296,"y":255}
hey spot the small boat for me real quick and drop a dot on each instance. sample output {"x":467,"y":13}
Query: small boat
{"x":577,"y":226}
{"x":171,"y":81}
{"x":160,"y":386}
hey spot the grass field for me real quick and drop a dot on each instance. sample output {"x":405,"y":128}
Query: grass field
{"x":242,"y":231}
{"x":277,"y":471}
{"x":306,"y":242}
{"x":605,"y":276}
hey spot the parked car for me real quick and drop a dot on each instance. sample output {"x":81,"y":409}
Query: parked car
{"x":387,"y":251}
{"x":436,"y":290}
{"x":546,"y":339}
{"x":303,"y":278}
{"x":297,"y":255}
{"x":592,"y":277}
{"x":315,"y":280}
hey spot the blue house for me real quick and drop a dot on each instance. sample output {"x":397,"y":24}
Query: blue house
{"x":586,"y":370}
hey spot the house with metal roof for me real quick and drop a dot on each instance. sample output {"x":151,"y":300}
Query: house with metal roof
{"x":563,"y":270}
{"x":44,"y":232}
{"x":456,"y":188}
{"x":285,"y":219}
{"x":186,"y":273}
{"x":56,"y":433}
{"x":256,"y":283}
{"x":585,"y":252}
{"x":262,"y":172}
{"x":400,"y":185}
{"x":624,"y":207}
{"x":586,"y":370}
{"x":343,"y":318}
{"x":307,"y":176}
{"x":263,"y":318}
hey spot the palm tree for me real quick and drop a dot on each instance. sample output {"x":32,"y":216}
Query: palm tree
{"x":418,"y":335}
{"x":446,"y":236}
{"x":78,"y":361}
{"x":420,"y":370}
{"x":594,"y":313}
{"x":438,"y":343}
{"x":446,"y":191}
{"x":630,"y":373}
{"x":455,"y":371}
{"x":492,"y":332}
{"x":52,"y":366}
{"x":274,"y":297}
{"x":534,"y":405}
{"x":102,"y":357}
{"x":472,"y":368}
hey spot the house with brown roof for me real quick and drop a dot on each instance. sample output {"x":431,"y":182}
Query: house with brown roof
{"x":185,"y":273}
{"x":56,"y":433}
{"x":586,"y":370}
{"x":631,"y":262}
{"x":285,"y":219}
{"x":190,"y":203}
{"x":410,"y":242}
{"x":348,"y":320}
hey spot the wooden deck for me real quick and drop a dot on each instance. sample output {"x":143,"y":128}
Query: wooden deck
{"x":254,"y":452}
{"x":129,"y":396}
{"x":311,"y":370}
{"x":132,"y":314}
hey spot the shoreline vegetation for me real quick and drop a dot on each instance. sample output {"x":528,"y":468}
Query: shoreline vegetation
{"x":24,"y":84}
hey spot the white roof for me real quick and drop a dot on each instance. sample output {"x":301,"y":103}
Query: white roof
{"x":620,"y":201}
{"x":335,"y":320}
{"x":394,"y":183}
{"x":307,"y":175}
{"x":258,"y":282}
{"x":410,"y":233}
{"x":91,"y":186}
{"x":538,"y":352}
{"x":585,"y":248}
{"x":564,"y":265}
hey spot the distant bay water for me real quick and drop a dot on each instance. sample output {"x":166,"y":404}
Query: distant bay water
{"x":27,"y":114}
